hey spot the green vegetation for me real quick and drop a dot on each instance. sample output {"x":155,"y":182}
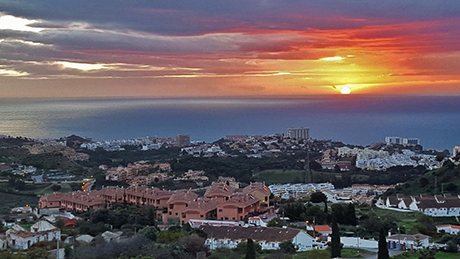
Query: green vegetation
{"x":447,"y":178}
{"x":280,"y":176}
{"x":16,"y":200}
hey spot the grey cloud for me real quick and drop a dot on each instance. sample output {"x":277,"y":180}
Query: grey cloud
{"x":197,"y":17}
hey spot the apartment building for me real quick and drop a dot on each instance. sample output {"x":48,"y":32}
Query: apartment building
{"x":220,"y":201}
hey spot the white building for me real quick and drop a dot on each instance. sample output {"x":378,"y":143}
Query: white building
{"x":435,"y":206}
{"x":298,"y":133}
{"x":268,"y":238}
{"x":417,"y":241}
{"x":411,"y":141}
{"x":21,"y":239}
{"x":451,"y":229}
{"x":393,"y":140}
{"x":455,"y":151}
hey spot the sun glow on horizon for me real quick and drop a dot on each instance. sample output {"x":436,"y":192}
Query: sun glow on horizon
{"x":336,"y":58}
{"x":345,"y":90}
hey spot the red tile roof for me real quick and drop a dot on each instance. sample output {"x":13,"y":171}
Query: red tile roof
{"x":322,"y":228}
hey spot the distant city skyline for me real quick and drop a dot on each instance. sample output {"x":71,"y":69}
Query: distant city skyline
{"x":228,"y":48}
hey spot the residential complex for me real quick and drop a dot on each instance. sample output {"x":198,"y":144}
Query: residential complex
{"x":436,"y":206}
{"x":131,"y":174}
{"x":220,"y":201}
{"x":346,"y":158}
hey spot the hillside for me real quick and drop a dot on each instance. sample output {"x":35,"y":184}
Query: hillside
{"x":439,"y":181}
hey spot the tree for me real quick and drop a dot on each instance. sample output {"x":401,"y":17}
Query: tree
{"x":451,"y":247}
{"x":383,"y":246}
{"x":194,"y":244}
{"x":423,"y":182}
{"x":60,"y":223}
{"x":276,"y":222}
{"x":351,"y":215}
{"x":335,"y":240}
{"x":250,"y":250}
{"x":318,"y":197}
{"x":149,"y":232}
{"x":287,"y":247}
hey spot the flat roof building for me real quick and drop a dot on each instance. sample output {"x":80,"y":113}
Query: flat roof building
{"x":298,"y":133}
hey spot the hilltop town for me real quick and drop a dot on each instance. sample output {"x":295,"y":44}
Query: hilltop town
{"x":84,"y":194}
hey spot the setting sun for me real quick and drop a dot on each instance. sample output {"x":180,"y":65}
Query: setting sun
{"x":345,"y":90}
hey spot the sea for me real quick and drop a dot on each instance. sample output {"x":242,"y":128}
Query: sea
{"x":352,"y":119}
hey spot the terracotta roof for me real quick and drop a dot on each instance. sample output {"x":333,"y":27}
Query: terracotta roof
{"x":256,"y":187}
{"x":255,"y":233}
{"x":322,"y":228}
{"x":203,"y":205}
{"x":53,"y":197}
{"x":448,"y":226}
{"x":241,"y":200}
{"x":219,"y":189}
{"x":184,"y":196}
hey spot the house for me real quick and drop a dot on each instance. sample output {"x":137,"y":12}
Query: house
{"x":257,"y":221}
{"x":451,"y":229}
{"x":436,"y":206}
{"x":21,"y":239}
{"x":416,"y":241}
{"x":324,"y":230}
{"x":51,"y":201}
{"x":404,"y":203}
{"x":268,"y":238}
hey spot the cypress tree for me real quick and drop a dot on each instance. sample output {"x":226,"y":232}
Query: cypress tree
{"x":383,"y":246}
{"x":336,"y":247}
{"x":351,"y":215}
{"x":250,"y":250}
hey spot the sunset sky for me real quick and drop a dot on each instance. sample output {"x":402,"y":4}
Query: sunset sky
{"x":228,"y":48}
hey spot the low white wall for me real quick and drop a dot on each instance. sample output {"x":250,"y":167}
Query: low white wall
{"x":355,"y":242}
